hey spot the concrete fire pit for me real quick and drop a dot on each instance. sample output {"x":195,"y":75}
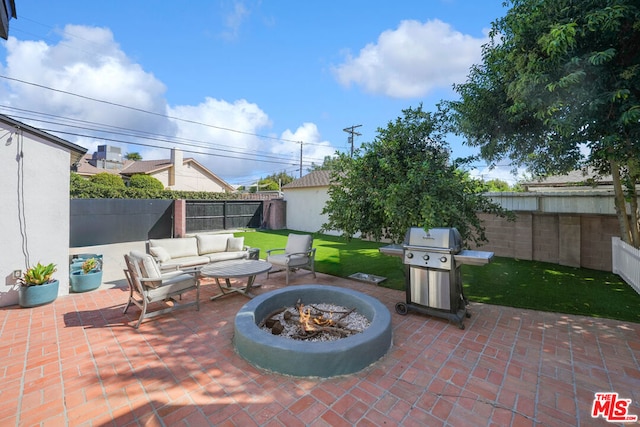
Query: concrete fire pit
{"x":312,"y":359}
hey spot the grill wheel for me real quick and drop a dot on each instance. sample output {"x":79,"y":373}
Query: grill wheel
{"x":401,"y":308}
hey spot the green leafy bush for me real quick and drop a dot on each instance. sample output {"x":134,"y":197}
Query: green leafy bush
{"x":81,"y":188}
{"x":145,"y":182}
{"x":107,"y":179}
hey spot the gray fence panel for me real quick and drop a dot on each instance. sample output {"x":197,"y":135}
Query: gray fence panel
{"x":106,"y":221}
{"x":210,"y":215}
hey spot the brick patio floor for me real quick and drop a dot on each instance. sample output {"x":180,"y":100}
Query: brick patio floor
{"x":79,"y":362}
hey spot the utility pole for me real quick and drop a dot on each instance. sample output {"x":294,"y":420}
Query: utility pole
{"x":300,"y":159}
{"x":351,"y":131}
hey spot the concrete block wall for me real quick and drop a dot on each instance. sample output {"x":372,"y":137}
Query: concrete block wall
{"x":595,"y":248}
{"x":546,"y":238}
{"x":567,"y":239}
{"x":508,"y":239}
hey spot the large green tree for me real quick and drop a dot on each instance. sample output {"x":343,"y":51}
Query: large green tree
{"x":561,"y":78}
{"x":405,"y":178}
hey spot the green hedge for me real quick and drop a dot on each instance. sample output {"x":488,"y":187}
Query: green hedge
{"x":81,"y":188}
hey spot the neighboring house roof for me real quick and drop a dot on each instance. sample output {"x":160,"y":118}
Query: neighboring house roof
{"x":150,"y":167}
{"x":146,"y":167}
{"x":579,"y":178}
{"x":85,"y":168}
{"x":75,"y":151}
{"x":319,"y":178}
{"x":7,"y":12}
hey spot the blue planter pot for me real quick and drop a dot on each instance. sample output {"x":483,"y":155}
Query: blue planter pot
{"x":33,"y":296}
{"x":75,"y":266}
{"x":81,"y":282}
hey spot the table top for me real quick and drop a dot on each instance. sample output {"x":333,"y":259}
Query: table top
{"x":235,"y":268}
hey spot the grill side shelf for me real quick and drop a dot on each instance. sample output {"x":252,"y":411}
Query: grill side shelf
{"x":393,"y":250}
{"x":469,"y":257}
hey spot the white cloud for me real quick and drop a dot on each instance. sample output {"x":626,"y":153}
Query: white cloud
{"x":89,"y":62}
{"x":234,"y":19}
{"x":232,"y":149}
{"x":412,"y":60}
{"x":314,"y":149}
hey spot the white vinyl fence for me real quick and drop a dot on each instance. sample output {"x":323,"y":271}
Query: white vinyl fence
{"x":626,"y":262}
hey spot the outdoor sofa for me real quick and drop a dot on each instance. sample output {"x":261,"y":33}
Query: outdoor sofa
{"x":196,"y":250}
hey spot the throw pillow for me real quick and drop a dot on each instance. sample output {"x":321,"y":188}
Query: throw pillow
{"x":160,"y":253}
{"x":235,"y":244}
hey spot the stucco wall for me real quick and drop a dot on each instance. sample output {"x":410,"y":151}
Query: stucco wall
{"x":192,"y":178}
{"x":303,"y":208}
{"x":35,"y":210}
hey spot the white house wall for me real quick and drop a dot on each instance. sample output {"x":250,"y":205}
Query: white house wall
{"x":189,"y":177}
{"x":304,"y":206}
{"x":192,"y":178}
{"x":35,"y":210}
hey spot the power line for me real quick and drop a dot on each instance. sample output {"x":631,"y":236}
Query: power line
{"x":144,"y":135}
{"x":115,"y":104}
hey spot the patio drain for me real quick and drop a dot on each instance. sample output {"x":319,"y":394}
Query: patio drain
{"x":312,"y":359}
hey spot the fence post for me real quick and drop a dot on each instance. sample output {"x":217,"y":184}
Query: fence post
{"x":179,"y":218}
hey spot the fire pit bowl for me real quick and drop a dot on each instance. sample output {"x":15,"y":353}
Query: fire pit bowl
{"x":312,"y":359}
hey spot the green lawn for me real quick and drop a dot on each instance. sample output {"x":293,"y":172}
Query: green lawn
{"x":505,"y":281}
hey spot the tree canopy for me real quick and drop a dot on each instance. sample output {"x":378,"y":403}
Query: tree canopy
{"x":560,"y":78}
{"x":404,"y":178}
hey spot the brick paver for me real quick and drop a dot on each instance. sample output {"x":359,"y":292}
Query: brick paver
{"x":79,"y":362}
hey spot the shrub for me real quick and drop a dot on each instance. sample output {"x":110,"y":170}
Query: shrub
{"x":146,"y":182}
{"x":107,"y":179}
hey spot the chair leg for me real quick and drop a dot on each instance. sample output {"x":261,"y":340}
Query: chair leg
{"x":143,"y":313}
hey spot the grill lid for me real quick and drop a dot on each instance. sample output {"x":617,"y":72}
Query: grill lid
{"x":436,"y":238}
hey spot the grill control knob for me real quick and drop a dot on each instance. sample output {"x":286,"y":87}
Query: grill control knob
{"x":425,"y":257}
{"x":443,"y":259}
{"x":409,"y":255}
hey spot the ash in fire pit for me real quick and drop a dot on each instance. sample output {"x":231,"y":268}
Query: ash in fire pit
{"x":315,"y":322}
{"x":312,"y":359}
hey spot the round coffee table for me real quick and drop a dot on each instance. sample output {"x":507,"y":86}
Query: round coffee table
{"x":235,"y":269}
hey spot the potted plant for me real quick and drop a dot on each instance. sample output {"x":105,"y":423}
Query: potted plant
{"x":88,"y":277}
{"x":37,"y":287}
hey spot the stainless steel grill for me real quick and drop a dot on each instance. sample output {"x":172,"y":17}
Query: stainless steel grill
{"x":432,"y":260}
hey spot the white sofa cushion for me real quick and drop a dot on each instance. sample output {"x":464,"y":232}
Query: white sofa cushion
{"x":226,"y":256}
{"x":181,"y":247}
{"x":212,"y":243}
{"x":184,"y":262}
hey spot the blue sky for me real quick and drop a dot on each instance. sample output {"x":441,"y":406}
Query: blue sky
{"x":239,"y":85}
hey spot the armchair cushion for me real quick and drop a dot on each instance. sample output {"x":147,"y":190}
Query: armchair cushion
{"x":148,"y":268}
{"x":298,"y":244}
{"x":298,"y":253}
